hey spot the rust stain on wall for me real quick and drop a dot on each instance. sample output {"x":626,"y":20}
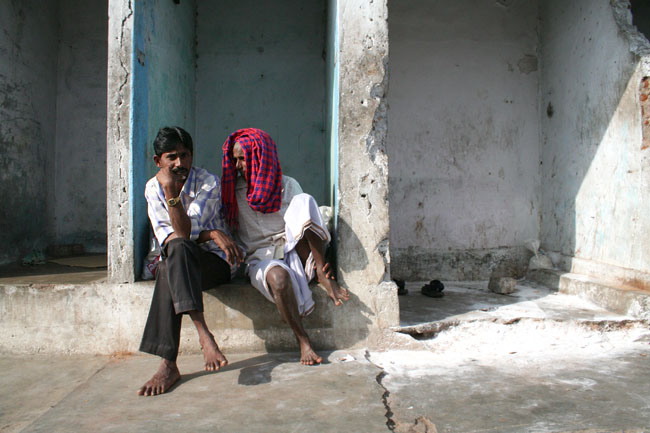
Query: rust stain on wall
{"x":645,"y":111}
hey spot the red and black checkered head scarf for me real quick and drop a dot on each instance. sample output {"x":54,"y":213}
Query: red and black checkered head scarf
{"x":263,"y":173}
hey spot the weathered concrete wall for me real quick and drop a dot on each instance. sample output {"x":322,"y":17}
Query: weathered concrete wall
{"x":595,"y":174}
{"x":463,"y":136}
{"x":80,"y":196}
{"x":362,"y":234}
{"x":28,"y":55}
{"x":121,"y":267}
{"x":166,"y":53}
{"x":261,"y":64}
{"x":163,"y":92}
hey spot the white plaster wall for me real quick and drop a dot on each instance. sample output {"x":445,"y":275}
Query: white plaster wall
{"x":80,"y":191}
{"x":595,"y":174}
{"x":463,"y":138}
{"x":28,"y":55}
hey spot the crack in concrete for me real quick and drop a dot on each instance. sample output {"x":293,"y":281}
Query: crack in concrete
{"x":126,"y":72}
{"x":430,"y":330}
{"x":390,"y":423}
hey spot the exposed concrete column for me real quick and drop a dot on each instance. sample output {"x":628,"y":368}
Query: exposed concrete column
{"x":118,"y":143}
{"x":363,"y":225}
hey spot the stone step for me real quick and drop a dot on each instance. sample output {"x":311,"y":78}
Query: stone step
{"x":612,"y":296}
{"x":105,"y":318}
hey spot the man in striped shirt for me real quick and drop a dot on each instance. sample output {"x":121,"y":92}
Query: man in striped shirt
{"x":197,"y":252}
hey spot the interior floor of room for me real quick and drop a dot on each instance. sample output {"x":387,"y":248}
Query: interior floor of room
{"x":473,"y":299}
{"x":83,"y":269}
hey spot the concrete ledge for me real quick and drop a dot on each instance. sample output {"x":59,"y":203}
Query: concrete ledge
{"x":613,"y":297}
{"x":106,"y":318}
{"x":418,"y":264}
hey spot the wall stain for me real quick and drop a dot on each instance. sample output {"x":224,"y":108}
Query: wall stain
{"x":527,"y":64}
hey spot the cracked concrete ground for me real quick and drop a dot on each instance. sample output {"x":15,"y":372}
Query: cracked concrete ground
{"x":255,"y":393}
{"x":534,"y":361}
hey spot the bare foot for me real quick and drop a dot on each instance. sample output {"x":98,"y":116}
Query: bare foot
{"x":308,"y":356}
{"x":213,"y":357}
{"x":165,"y":377}
{"x":335,"y":292}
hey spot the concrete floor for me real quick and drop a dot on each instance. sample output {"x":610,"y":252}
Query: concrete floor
{"x":51,"y":273}
{"x":535,"y":361}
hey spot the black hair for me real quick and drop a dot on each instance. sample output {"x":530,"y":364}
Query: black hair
{"x":169,"y":138}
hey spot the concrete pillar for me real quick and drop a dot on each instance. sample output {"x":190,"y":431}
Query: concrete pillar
{"x":118,"y":141}
{"x":363,"y":227}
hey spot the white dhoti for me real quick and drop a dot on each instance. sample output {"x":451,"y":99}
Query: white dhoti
{"x":302,"y":214}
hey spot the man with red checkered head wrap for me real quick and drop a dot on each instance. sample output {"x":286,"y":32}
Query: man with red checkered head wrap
{"x":280,"y":228}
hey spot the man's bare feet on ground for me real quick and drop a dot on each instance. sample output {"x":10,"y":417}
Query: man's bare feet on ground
{"x":166,"y":376}
{"x":213,"y":357}
{"x":335,"y":292}
{"x":308,"y":356}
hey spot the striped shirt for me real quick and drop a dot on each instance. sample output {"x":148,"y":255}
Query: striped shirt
{"x":201,"y":198}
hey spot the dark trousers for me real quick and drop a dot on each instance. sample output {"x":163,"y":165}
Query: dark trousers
{"x":184,"y":272}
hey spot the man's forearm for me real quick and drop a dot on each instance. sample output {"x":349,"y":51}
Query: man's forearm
{"x":234,"y":254}
{"x":181,"y":223}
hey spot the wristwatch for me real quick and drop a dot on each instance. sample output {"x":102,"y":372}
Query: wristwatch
{"x":173,"y":201}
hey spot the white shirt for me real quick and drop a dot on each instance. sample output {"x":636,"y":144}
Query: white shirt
{"x":261,"y":231}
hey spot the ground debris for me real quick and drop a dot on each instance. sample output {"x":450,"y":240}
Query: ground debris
{"x":422,"y":424}
{"x":502,"y":285}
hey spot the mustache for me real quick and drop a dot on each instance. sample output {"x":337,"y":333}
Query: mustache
{"x":180,"y":170}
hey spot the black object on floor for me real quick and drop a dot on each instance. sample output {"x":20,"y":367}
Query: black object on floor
{"x":401,"y":289}
{"x":433,"y":289}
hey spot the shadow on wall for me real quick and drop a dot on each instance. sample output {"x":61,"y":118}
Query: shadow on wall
{"x":355,"y":257}
{"x":641,"y":16}
{"x":591,"y":153}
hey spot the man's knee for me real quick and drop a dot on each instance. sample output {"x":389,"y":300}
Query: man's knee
{"x":180,"y":245}
{"x":278,"y":280}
